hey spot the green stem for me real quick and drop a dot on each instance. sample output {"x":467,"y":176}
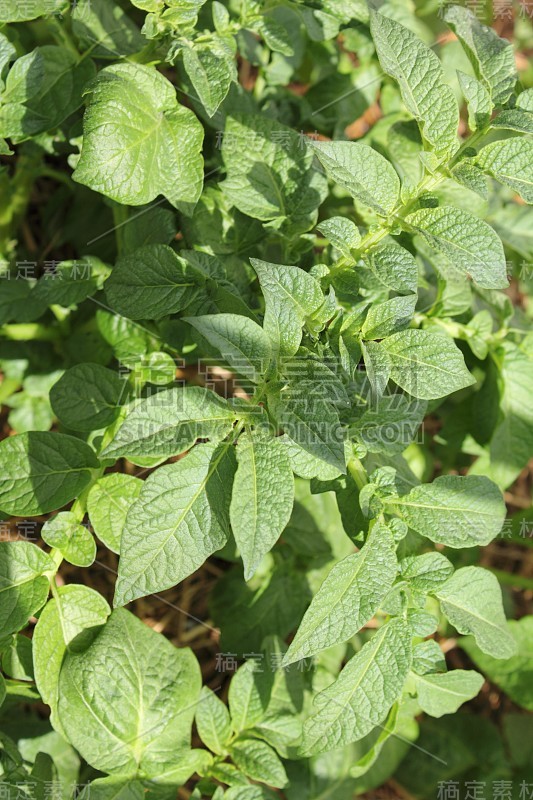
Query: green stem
{"x":29,"y":331}
{"x":357,"y":472}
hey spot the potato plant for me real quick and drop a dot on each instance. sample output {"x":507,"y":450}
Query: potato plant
{"x":263,"y":304}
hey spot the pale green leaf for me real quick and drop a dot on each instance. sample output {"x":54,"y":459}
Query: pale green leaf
{"x":211,"y":68}
{"x":454,"y":510}
{"x":419,"y":73}
{"x":492,"y":57}
{"x":64,"y":532}
{"x":510,"y":161}
{"x":427,"y":571}
{"x":514,"y":119}
{"x":259,"y":761}
{"x":342,"y":233}
{"x":249,"y":695}
{"x":349,"y":596}
{"x":176,"y":523}
{"x":41,"y":471}
{"x":213,"y":721}
{"x":360,"y":698}
{"x":270,"y":173}
{"x":478,"y":101}
{"x":169,"y":422}
{"x":388,"y":317}
{"x":468,"y":242}
{"x":154,"y":688}
{"x":108,"y":503}
{"x":444,"y":693}
{"x":395,"y":267}
{"x":262,"y":498}
{"x":291,"y":296}
{"x":138,"y":142}
{"x":23,"y":586}
{"x":68,"y":620}
{"x":242,"y":343}
{"x":426,"y":364}
{"x":362,"y":171}
{"x":471,"y":599}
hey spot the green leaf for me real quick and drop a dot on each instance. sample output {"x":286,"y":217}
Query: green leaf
{"x":349,"y":596}
{"x":108,"y":504}
{"x":362,"y":171}
{"x":395,"y":267}
{"x":249,"y":695}
{"x":88,"y":397}
{"x":23,"y":586}
{"x":511,"y":162}
{"x":428,"y":657}
{"x":305,"y":464}
{"x":388,"y":317}
{"x":514,"y":674}
{"x":427,"y":571}
{"x":478,"y":100}
{"x":270,"y":173}
{"x":444,"y":693}
{"x":67,"y":621}
{"x":242,"y":343}
{"x":471,"y":599}
{"x":102,"y":26}
{"x":262,"y":498}
{"x":178,"y":520}
{"x":512,"y":442}
{"x":491,"y":56}
{"x":427,"y":365}
{"x":259,"y":761}
{"x":342,"y":233}
{"x":470,"y":176}
{"x":133,"y":156}
{"x":42,"y":471}
{"x":151,"y":283}
{"x":312,"y":422}
{"x":213,"y":721}
{"x":75,"y":543}
{"x":454,"y":510}
{"x":154,"y":688}
{"x":42,"y":89}
{"x":31,"y":9}
{"x":291,"y":296}
{"x":211,"y":68}
{"x":514,"y":119}
{"x":470,"y":244}
{"x":419,"y":74}
{"x":360,"y":698}
{"x":169,"y":422}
